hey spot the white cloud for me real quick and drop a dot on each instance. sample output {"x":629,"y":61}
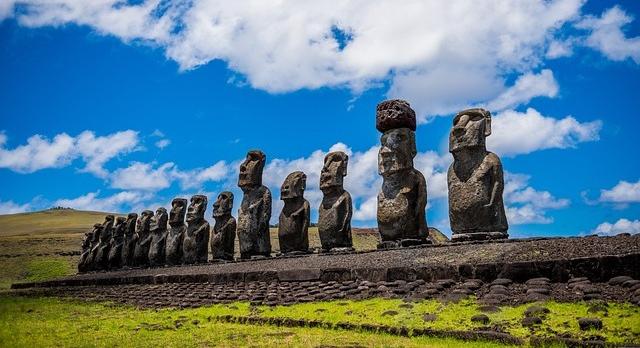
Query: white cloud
{"x":606,"y":35}
{"x":514,"y":133}
{"x":149,"y":177}
{"x":440,"y":56}
{"x":114,"y":203}
{"x":10,"y":207}
{"x":623,"y":192}
{"x":143,"y":176}
{"x":39,"y":152}
{"x":96,"y":151}
{"x":526,"y":87}
{"x":162,"y":143}
{"x":620,"y":226}
{"x":560,"y":48}
{"x":526,"y":205}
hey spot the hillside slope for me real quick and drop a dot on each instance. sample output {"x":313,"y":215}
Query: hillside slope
{"x":62,"y":221}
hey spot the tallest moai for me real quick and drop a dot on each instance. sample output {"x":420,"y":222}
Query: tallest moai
{"x":403,"y":198}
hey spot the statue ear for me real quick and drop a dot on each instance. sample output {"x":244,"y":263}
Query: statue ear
{"x":487,"y":126}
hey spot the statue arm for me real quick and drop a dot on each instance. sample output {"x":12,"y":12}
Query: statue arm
{"x":348,"y":206}
{"x":497,"y":180}
{"x":266,"y":213}
{"x":307,"y":216}
{"x":422,"y":206}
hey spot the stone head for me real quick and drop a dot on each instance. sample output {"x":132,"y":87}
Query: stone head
{"x":395,"y":113}
{"x":120,"y":224}
{"x":397,"y":151}
{"x":197,"y":207}
{"x":145,"y":220}
{"x":159,"y":221}
{"x":334,"y":170}
{"x":178,"y":211}
{"x":293,"y":186}
{"x":95,"y":232}
{"x":223,"y":205}
{"x":132,"y":221}
{"x":120,"y":220}
{"x":108,"y":221}
{"x":251,"y":169}
{"x":470,"y":129}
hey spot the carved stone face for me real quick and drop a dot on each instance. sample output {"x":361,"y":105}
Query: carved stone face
{"x":293,"y":186}
{"x":334,"y":170}
{"x":223,"y":204}
{"x":132,"y":221}
{"x":145,"y":220}
{"x":159,"y":221}
{"x":470,"y":129}
{"x":197,"y":208}
{"x":397,"y":151}
{"x":178,"y":211}
{"x":251,"y":169}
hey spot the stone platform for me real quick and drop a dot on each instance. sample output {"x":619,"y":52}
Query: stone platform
{"x":558,"y":259}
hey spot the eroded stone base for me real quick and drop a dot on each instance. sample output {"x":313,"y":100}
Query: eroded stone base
{"x":403,"y":243}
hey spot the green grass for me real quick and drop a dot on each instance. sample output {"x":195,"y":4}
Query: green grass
{"x":45,"y":322}
{"x":43,"y":269}
{"x":40,"y":322}
{"x":621,"y":323}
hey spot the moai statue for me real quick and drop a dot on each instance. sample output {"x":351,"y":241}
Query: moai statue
{"x":334,"y":221}
{"x":255,"y":210}
{"x":95,"y":246}
{"x":83,"y":266}
{"x":117,"y":242}
{"x":223,"y":236}
{"x":101,"y":261}
{"x":403,"y":198}
{"x":475,"y":180}
{"x":130,"y":240}
{"x":195,"y":245}
{"x":143,"y":242}
{"x":293,"y":224}
{"x":177,"y":229}
{"x":158,"y":237}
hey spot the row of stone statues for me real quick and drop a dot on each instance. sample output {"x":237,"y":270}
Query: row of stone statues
{"x":476,"y":210}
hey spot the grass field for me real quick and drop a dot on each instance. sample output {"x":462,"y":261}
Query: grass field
{"x":59,"y":323}
{"x":26,"y":322}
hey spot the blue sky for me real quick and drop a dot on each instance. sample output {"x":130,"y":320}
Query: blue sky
{"x":121,"y":106}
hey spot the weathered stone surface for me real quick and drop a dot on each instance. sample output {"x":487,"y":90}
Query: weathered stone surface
{"x":101,"y":260}
{"x":475,"y":180}
{"x":336,"y":208}
{"x":130,"y":239}
{"x":255,"y":210}
{"x":293,"y":224}
{"x":196,"y":238}
{"x":395,"y":113}
{"x":143,"y":241}
{"x":223,"y":235}
{"x":177,"y":229}
{"x":158,"y":230}
{"x":589,"y":323}
{"x":481,"y":319}
{"x":403,"y":198}
{"x":88,"y":243}
{"x":117,"y":242}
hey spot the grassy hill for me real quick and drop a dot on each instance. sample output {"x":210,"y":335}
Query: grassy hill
{"x":42,"y":245}
{"x":55,"y":221}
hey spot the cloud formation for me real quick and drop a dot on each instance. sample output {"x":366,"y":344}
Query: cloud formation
{"x":623,"y":192}
{"x":515,"y":133}
{"x":620,"y":226}
{"x":40,"y":153}
{"x":438,"y":55}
